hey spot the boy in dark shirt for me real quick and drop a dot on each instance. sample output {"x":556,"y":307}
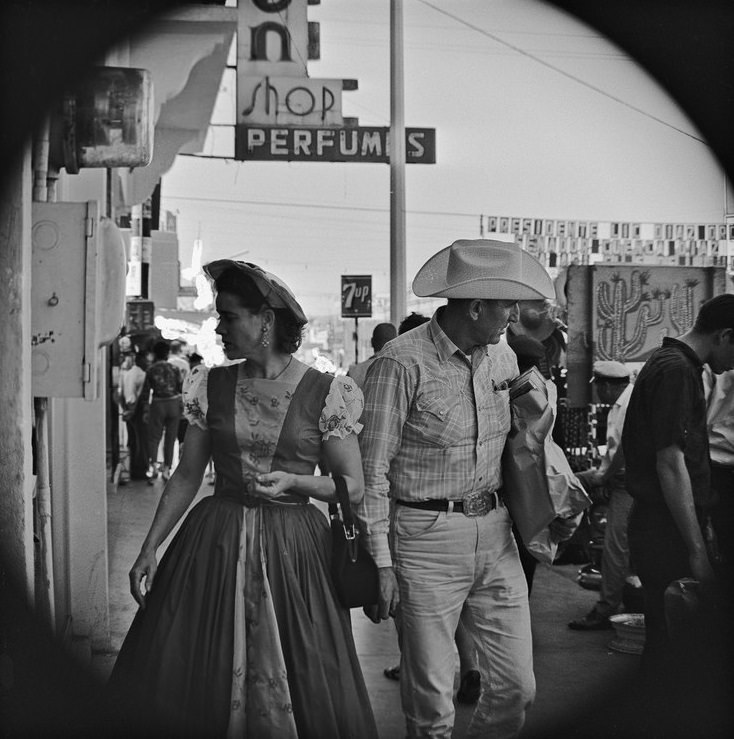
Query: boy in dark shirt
{"x":665,"y":445}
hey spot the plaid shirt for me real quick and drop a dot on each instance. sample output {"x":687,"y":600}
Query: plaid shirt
{"x":435,"y":425}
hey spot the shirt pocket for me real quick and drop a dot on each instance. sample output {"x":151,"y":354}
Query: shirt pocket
{"x":498,"y":409}
{"x":433,"y":419}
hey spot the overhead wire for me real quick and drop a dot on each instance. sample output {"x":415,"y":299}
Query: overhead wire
{"x":506,"y":44}
{"x":316,"y":206}
{"x":560,"y":71}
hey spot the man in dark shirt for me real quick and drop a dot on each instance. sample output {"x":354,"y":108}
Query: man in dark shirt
{"x":665,"y":445}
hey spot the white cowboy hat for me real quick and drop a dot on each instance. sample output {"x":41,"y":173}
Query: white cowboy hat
{"x":482,"y":268}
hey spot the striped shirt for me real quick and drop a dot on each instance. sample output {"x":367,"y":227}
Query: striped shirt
{"x":435,"y":425}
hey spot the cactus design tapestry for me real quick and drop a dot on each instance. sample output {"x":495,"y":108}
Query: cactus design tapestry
{"x":634,"y":308}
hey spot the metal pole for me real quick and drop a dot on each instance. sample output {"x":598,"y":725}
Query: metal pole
{"x":356,"y":339}
{"x":398,"y":281}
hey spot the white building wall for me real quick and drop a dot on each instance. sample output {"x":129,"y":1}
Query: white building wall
{"x":79,"y":487}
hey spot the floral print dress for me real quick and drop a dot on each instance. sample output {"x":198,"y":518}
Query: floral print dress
{"x":242,"y":634}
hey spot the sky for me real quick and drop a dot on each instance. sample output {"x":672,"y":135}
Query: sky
{"x":536,"y":116}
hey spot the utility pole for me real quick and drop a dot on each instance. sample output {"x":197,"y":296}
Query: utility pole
{"x":398,"y":281}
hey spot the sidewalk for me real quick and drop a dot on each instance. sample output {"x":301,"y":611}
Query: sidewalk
{"x":574,"y":670}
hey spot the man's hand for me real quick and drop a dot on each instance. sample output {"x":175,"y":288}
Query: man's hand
{"x":702,"y":571}
{"x":388,"y":599}
{"x":590,"y":478}
{"x":562,"y":529}
{"x":593,"y":482}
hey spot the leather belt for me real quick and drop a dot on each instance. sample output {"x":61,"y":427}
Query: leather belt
{"x":471,"y":505}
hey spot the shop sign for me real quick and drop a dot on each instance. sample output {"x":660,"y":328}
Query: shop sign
{"x":356,"y":296}
{"x":350,"y":144}
{"x":300,"y":101}
{"x":275,"y":42}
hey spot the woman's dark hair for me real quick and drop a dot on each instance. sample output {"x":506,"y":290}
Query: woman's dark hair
{"x":161,"y":350}
{"x":288,"y":330}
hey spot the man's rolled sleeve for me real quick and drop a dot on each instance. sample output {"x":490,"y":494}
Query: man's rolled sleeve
{"x":386,"y":396}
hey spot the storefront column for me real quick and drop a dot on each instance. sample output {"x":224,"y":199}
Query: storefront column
{"x":16,"y":469}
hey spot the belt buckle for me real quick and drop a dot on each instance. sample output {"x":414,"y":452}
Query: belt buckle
{"x":478,"y":503}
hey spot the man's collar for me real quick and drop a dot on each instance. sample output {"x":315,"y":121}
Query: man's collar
{"x":444,"y":346}
{"x":682,"y":346}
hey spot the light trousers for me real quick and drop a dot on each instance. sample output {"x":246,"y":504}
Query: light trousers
{"x":442,"y":561}
{"x":615,"y":558}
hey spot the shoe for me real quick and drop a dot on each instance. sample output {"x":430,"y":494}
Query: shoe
{"x":469,"y":688}
{"x":151,"y":475}
{"x":392,"y":673}
{"x":165,"y":473}
{"x":592,"y":621}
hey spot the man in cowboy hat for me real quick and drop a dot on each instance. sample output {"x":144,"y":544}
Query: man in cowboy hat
{"x":437,"y":412}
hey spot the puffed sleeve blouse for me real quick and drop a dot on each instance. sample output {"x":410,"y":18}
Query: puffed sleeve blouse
{"x":259,"y":425}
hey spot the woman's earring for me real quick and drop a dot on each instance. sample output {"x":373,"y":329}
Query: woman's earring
{"x":265,"y":341}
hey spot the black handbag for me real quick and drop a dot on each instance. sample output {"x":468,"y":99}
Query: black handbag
{"x":353,"y":570}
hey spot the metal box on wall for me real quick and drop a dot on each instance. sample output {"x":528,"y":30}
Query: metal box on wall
{"x":77,"y":296}
{"x":108,"y":120}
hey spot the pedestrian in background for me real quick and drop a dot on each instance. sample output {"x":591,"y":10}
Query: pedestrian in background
{"x":612,"y":382}
{"x":162,"y":394}
{"x":195,"y":359}
{"x":437,"y":414}
{"x":720,"y":422}
{"x":412,"y":321}
{"x":381,"y":334}
{"x":668,"y":472}
{"x":239,"y":631}
{"x":178,"y":359}
{"x":132,"y":380}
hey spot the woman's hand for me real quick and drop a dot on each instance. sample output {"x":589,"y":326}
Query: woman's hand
{"x":145,"y":567}
{"x":273,"y":484}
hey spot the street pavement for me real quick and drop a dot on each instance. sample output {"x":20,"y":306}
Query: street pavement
{"x":577,"y":674}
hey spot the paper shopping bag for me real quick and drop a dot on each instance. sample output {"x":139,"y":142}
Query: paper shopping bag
{"x":539,"y":485}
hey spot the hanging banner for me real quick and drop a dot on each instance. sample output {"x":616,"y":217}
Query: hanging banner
{"x":560,"y":243}
{"x":352,"y":144}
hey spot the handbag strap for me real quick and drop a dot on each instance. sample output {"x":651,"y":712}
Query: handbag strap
{"x":342,"y":498}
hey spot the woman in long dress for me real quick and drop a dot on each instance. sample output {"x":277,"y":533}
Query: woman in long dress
{"x":239,"y":632}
